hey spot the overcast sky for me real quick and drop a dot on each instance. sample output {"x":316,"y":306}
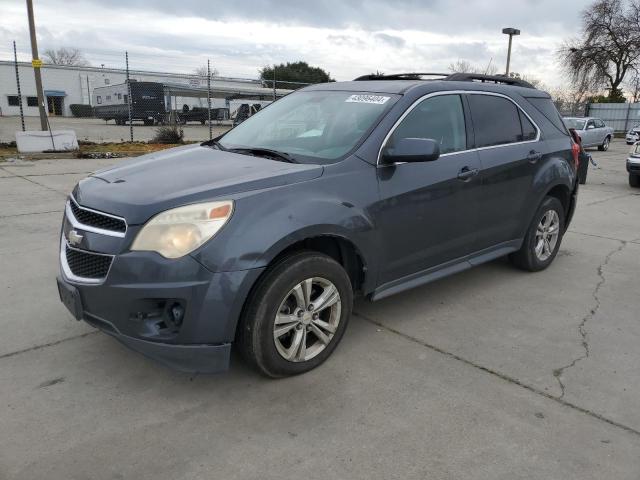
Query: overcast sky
{"x":345,"y":37}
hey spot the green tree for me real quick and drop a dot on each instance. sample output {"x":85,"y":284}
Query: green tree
{"x":294,"y":72}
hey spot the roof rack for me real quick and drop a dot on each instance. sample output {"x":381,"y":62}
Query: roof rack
{"x":478,"y":77}
{"x":452,"y":77}
{"x":400,"y":76}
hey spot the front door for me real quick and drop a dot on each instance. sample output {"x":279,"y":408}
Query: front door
{"x":55,"y":105}
{"x":428,"y":210}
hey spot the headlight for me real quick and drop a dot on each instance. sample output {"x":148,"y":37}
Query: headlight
{"x":180,"y":231}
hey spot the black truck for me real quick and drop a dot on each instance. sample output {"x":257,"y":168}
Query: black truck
{"x":147,"y":102}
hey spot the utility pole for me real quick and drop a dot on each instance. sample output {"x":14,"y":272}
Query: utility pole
{"x":274,"y":82}
{"x":511,"y":32}
{"x":36,"y":63}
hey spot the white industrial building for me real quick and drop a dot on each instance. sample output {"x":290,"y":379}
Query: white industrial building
{"x":67,"y":85}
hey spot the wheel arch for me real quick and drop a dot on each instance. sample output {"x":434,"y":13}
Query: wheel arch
{"x":338,"y":247}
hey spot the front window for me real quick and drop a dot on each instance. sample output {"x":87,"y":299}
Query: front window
{"x":313,"y":127}
{"x":439,"y":118}
{"x":574,"y":123}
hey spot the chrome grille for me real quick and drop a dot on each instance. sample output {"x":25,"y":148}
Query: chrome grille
{"x":95,"y":219}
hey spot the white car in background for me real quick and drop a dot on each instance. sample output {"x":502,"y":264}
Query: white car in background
{"x":633,"y":135}
{"x":592,"y":131}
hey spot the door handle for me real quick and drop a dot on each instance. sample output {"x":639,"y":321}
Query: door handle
{"x":534,"y":156}
{"x":466,"y":173}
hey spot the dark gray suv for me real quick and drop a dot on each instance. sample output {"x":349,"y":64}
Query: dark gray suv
{"x":262,"y":237}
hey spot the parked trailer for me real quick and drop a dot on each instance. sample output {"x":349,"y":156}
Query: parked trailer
{"x":147,"y":102}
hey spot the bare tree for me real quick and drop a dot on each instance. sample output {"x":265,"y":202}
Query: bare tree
{"x":571,"y":101}
{"x":65,"y":56}
{"x":465,"y":66}
{"x":608,"y":48}
{"x":633,"y":86}
{"x":202,"y":71}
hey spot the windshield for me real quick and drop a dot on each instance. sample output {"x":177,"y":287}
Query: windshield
{"x":574,"y":123}
{"x":314,"y":127}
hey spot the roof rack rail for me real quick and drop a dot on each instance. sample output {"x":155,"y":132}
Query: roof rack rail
{"x":451,"y":77}
{"x":479,"y":77}
{"x":400,"y":76}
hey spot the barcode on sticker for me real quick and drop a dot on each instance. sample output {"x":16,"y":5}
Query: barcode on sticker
{"x":377,"y":99}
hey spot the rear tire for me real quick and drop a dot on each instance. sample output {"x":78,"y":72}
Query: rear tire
{"x":542,"y":241}
{"x":275,"y":319}
{"x":605,"y":145}
{"x":634,"y":180}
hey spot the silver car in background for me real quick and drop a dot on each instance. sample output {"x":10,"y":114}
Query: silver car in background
{"x":633,"y":135}
{"x":592,"y":131}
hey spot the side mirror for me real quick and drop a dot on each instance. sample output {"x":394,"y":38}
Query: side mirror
{"x":411,"y":150}
{"x":590,"y":127}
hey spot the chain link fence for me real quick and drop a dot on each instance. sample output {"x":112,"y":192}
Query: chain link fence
{"x":621,"y":116}
{"x":126,"y":104}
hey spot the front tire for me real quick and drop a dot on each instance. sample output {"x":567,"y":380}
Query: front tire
{"x":296,"y":315}
{"x":634,"y":180}
{"x":605,"y":145}
{"x":542,"y":241}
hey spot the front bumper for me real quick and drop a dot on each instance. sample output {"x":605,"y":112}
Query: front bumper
{"x":633,"y":165}
{"x":135,"y":303}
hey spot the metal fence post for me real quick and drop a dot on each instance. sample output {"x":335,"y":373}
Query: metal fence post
{"x":209,"y":98}
{"x":15,"y":59}
{"x":126,"y":56}
{"x":626,"y":120}
{"x":274,"y":83}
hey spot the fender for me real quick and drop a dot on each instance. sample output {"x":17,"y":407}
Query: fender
{"x":266,"y":223}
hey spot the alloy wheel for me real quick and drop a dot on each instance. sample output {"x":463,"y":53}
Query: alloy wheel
{"x":307,"y":319}
{"x":547,"y":235}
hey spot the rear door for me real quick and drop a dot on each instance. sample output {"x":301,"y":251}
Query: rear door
{"x":428,"y":210}
{"x":509,"y":149}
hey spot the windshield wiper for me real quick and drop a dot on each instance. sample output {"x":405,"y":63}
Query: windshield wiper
{"x":217,"y":144}
{"x":265,"y":152}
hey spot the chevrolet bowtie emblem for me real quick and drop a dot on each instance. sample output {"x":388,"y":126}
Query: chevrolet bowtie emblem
{"x":74,"y":238}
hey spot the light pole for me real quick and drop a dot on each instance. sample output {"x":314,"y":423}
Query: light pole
{"x":511,"y":32}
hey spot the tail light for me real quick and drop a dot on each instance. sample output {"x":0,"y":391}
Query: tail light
{"x":575,"y":147}
{"x":575,"y":150}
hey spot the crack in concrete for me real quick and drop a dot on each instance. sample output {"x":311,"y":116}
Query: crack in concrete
{"x":31,"y":213}
{"x":35,"y":183}
{"x":635,"y":240}
{"x":582,"y":326}
{"x":502,"y":376}
{"x":46,"y":345}
{"x":597,"y":202}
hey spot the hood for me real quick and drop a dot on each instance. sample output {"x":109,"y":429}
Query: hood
{"x":138,"y":189}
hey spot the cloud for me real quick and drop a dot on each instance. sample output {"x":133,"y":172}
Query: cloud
{"x":391,"y":40}
{"x":346,"y":37}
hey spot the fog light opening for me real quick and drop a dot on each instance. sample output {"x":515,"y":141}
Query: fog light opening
{"x":177,"y":314}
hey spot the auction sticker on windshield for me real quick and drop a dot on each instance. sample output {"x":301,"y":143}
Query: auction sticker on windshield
{"x":377,"y":99}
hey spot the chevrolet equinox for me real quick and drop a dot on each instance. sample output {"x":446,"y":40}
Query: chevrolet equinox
{"x":262,"y":237}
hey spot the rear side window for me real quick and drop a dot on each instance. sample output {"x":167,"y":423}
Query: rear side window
{"x":599,"y":123}
{"x":529,"y":131}
{"x":546,"y":107}
{"x":496,"y":120}
{"x":439,"y":118}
